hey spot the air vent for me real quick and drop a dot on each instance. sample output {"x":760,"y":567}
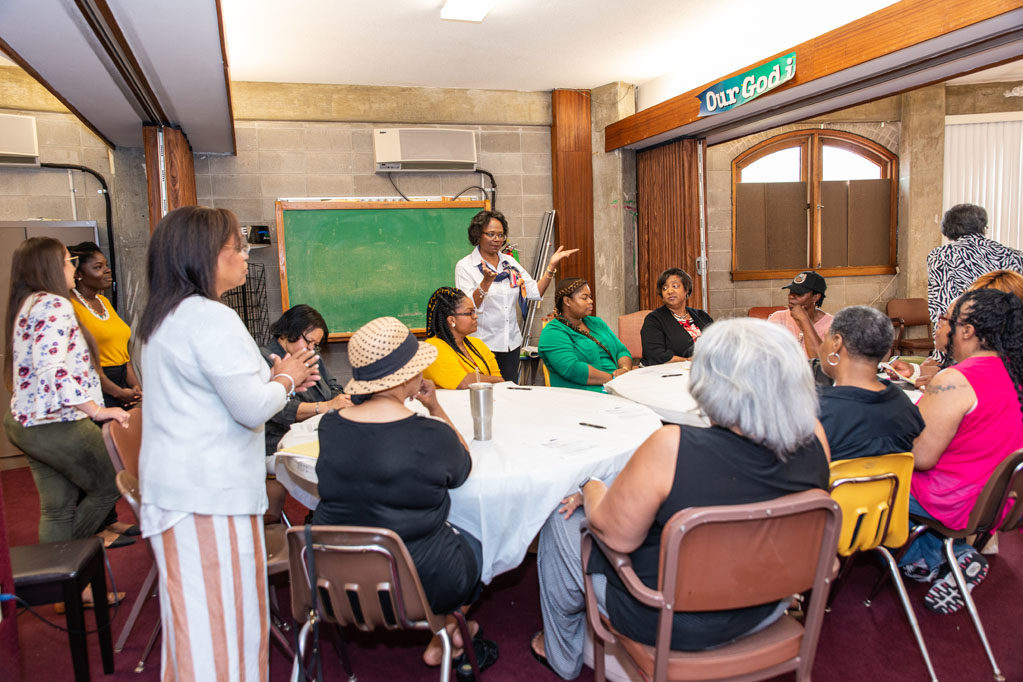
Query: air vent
{"x":19,"y":145}
{"x":424,"y":150}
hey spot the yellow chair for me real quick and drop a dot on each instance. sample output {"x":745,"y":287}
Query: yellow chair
{"x":873,"y":493}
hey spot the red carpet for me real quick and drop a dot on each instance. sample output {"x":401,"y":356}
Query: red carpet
{"x":857,"y":643}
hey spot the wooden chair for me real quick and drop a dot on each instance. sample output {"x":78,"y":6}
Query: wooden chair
{"x":365,"y":577}
{"x":1002,"y":493}
{"x":910,"y":312}
{"x":123,"y":446}
{"x":873,"y":493}
{"x":764,"y":311}
{"x":628,"y":331}
{"x":707,"y":557}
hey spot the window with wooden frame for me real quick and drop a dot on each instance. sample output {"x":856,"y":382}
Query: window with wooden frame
{"x":814,"y":199}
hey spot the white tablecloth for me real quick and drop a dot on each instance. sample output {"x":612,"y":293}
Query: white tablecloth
{"x":662,"y":388}
{"x":540,"y":452}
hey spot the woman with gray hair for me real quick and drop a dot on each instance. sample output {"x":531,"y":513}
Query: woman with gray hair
{"x":862,"y":415}
{"x":751,"y":379}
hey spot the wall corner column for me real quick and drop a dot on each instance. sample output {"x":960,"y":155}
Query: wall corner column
{"x":170,"y":170}
{"x":572,"y":182}
{"x":614,"y":206}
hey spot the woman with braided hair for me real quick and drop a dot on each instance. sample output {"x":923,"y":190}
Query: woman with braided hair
{"x":973,"y":421}
{"x":579,"y":349}
{"x":450,"y":319}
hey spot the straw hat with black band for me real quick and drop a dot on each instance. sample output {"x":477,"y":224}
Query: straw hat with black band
{"x":383,"y":354}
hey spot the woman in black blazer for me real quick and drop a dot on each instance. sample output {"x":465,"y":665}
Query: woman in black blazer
{"x":669,"y":332}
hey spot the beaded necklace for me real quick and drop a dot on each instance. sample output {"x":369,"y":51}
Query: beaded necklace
{"x":105,"y":315}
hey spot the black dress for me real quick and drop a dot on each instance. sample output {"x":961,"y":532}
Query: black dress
{"x":715,"y":466}
{"x":663,"y":337}
{"x":862,"y":423}
{"x":397,"y":475}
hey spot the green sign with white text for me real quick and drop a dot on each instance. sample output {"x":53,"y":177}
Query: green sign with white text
{"x":740,"y":89}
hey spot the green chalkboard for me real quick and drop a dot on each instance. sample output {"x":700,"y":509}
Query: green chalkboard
{"x":355,"y":261}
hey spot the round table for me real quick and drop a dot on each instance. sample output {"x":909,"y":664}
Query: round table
{"x":546,"y":440}
{"x":662,"y":388}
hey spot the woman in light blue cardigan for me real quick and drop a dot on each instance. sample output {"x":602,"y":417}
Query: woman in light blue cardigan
{"x":580,"y":350}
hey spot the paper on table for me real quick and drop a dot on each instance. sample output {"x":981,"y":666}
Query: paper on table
{"x":628,"y":411}
{"x":566,"y":447}
{"x":308,"y":449}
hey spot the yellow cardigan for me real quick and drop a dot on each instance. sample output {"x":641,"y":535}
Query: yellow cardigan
{"x":448,"y":370}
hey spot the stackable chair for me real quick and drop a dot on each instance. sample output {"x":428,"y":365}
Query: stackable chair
{"x":707,"y":557}
{"x":123,"y":446}
{"x":764,"y":311}
{"x":873,"y":493}
{"x":363,"y":577}
{"x":986,"y":518}
{"x":628,"y":331}
{"x":910,"y":312}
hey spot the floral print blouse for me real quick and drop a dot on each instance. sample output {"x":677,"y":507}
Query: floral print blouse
{"x":52,"y":367}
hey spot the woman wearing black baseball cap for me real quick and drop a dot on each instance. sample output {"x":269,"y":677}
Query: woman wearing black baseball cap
{"x":804,"y":317}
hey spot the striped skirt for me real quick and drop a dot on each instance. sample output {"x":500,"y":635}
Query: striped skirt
{"x":213,"y":599}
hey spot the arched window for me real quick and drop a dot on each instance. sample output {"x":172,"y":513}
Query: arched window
{"x":813,"y":199}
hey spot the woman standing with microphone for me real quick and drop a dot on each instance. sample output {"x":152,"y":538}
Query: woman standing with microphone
{"x":498,"y":286}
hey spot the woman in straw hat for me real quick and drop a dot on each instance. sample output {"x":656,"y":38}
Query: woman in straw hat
{"x":381,"y":464}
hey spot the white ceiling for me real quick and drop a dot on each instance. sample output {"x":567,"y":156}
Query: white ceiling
{"x":669,"y":45}
{"x":521,"y":45}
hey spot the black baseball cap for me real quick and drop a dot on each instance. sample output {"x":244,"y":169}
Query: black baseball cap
{"x":806,"y":282}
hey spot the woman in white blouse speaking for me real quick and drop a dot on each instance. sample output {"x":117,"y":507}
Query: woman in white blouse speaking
{"x":499,"y":286}
{"x":208,"y":394}
{"x":52,"y":372}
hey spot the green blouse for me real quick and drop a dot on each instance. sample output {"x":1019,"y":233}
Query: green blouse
{"x":569,"y":354}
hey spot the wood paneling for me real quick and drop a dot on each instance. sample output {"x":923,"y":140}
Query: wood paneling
{"x":178,"y":168}
{"x":668,"y":231}
{"x":895,"y":27}
{"x":572,"y":180}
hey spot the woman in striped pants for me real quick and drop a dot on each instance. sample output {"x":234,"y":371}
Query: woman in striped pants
{"x":208,"y":394}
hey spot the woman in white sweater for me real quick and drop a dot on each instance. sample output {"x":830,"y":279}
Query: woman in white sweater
{"x":209,"y":392}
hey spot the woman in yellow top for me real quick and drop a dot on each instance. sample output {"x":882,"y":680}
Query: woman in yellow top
{"x":450,"y":318}
{"x":118,"y":381}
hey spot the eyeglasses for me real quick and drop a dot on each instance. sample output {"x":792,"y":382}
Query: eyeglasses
{"x":471,"y":313}
{"x":494,"y":235}
{"x":244,"y":248}
{"x":310,"y":345}
{"x":73,"y":260}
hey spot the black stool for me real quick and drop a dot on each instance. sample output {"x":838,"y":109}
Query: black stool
{"x":59,"y":571}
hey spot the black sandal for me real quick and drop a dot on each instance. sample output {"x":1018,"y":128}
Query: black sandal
{"x":486,"y":656}
{"x":542,"y":660}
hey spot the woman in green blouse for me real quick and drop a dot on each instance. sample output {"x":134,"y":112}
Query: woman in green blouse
{"x":580,"y":350}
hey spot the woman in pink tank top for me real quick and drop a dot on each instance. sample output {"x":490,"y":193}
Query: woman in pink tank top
{"x":973,"y":422}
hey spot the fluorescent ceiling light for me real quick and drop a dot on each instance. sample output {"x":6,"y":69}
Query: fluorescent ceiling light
{"x":466,"y":10}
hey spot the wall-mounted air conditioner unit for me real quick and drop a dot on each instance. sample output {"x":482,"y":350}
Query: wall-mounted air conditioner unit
{"x":424,"y":149}
{"x":19,"y":145}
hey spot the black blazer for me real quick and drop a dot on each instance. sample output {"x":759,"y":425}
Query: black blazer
{"x":663,"y":337}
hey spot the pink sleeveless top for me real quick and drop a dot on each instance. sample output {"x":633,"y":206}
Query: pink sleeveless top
{"x":986,"y":436}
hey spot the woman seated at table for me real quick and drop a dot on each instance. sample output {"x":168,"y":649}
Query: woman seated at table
{"x":580,"y":350}
{"x":863,"y":416}
{"x":300,"y":328}
{"x":121,"y":387}
{"x":450,"y":319}
{"x":804,"y":317}
{"x":383,"y":465}
{"x":758,"y":448}
{"x":972,"y":417}
{"x":1002,"y":280}
{"x":669,"y":332}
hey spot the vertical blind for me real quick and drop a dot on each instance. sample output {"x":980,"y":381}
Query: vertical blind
{"x":984,"y":166}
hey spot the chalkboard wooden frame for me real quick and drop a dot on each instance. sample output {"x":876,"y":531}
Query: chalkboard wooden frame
{"x":283,"y":206}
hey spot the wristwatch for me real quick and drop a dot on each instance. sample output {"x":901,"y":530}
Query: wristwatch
{"x":584,"y":482}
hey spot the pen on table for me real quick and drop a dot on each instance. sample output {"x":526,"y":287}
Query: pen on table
{"x":592,"y":426}
{"x":519,"y":388}
{"x":665,"y":376}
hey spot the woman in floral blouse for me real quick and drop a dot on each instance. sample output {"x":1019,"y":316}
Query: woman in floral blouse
{"x":55,"y":395}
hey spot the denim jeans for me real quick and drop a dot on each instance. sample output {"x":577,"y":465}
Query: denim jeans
{"x":65,"y":458}
{"x":929,"y":546}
